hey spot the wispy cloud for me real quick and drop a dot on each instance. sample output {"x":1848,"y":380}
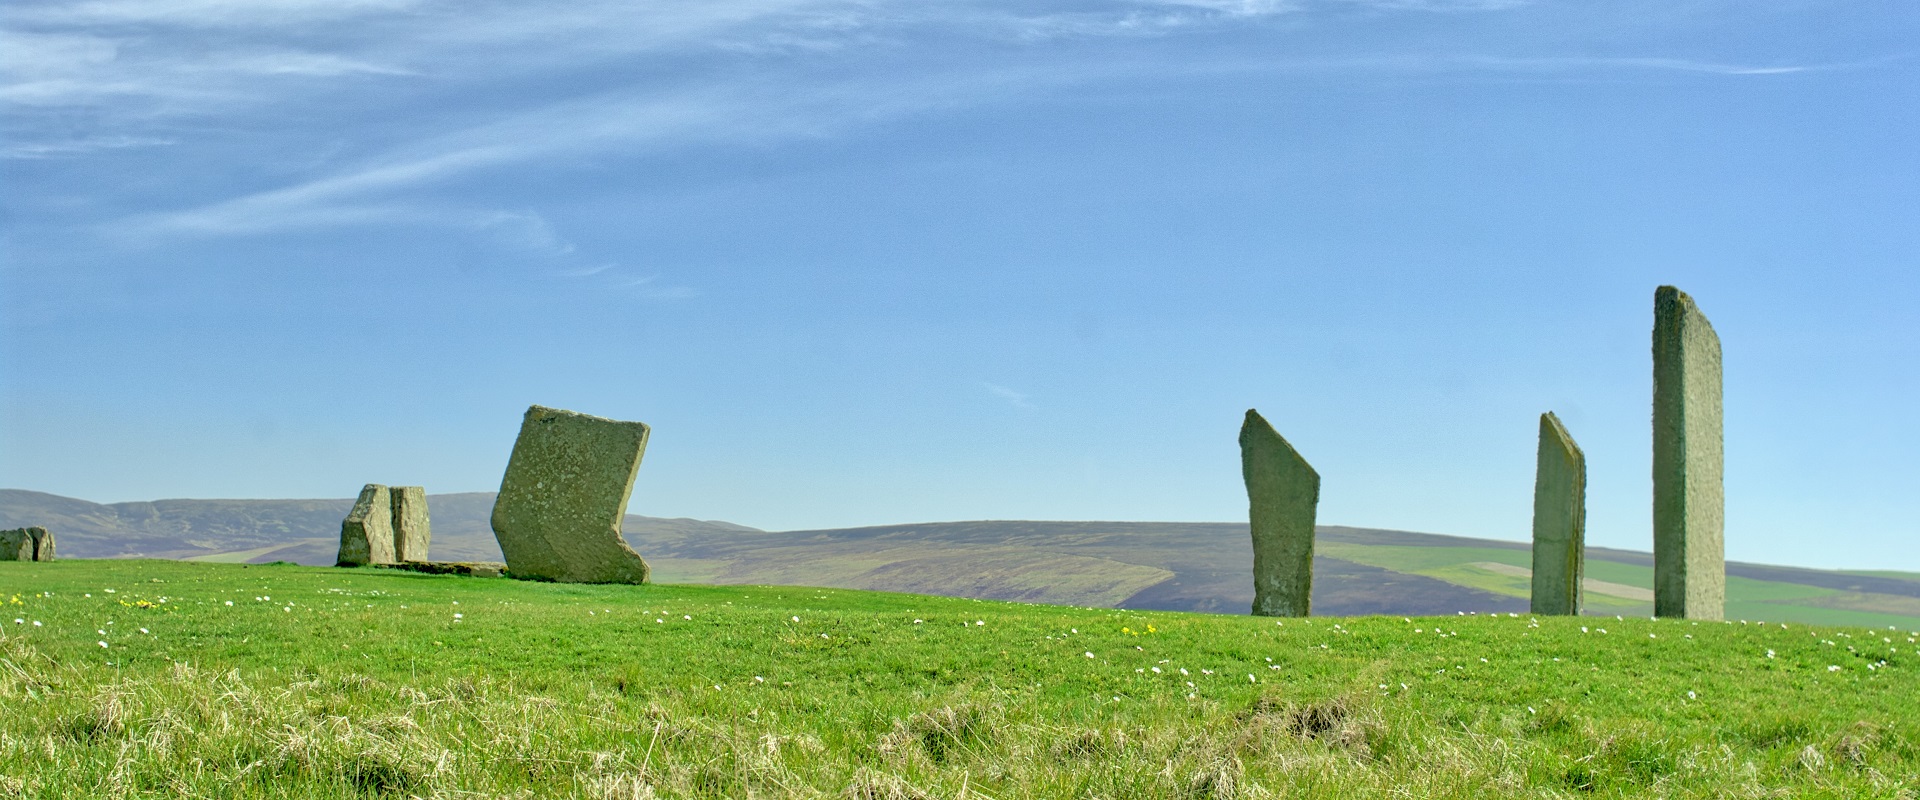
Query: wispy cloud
{"x":136,"y":68}
{"x":626,"y":122}
{"x":1014,"y":397}
{"x":203,"y":13}
{"x":80,"y":146}
{"x":650,"y":288}
{"x":1622,"y":63}
{"x":333,"y":200}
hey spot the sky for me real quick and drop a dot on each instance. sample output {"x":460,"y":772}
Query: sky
{"x":875,"y":261}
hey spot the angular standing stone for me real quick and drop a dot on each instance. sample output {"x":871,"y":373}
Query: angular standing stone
{"x":565,"y":491}
{"x":1689,"y":562}
{"x":42,"y":543}
{"x":16,"y":545}
{"x":366,"y":535}
{"x":1559,"y":521}
{"x":1283,"y":492}
{"x":411,"y":531}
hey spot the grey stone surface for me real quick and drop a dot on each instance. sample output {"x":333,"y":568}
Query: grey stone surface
{"x":558,"y":512}
{"x":475,"y":569}
{"x":1559,"y":521}
{"x":42,"y":543}
{"x":1689,"y":561}
{"x":16,"y":545}
{"x":412,"y":533}
{"x":366,"y":535}
{"x":1283,"y":493}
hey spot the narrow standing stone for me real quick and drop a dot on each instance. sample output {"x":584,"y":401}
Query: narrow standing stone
{"x":1689,"y":559}
{"x":42,"y":543}
{"x":411,"y":531}
{"x":1559,"y":521}
{"x":565,"y":491}
{"x":1283,"y":492}
{"x":16,"y":545}
{"x":366,"y":535}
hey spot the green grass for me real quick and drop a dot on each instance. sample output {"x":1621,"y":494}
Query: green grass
{"x":332,"y":683}
{"x":1747,"y":598}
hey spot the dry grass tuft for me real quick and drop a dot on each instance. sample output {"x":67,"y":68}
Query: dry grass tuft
{"x":869,"y":784}
{"x":941,"y":734}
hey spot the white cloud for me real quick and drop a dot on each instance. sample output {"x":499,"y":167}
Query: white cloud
{"x":1012,"y":396}
{"x":649,"y":288}
{"x":77,"y":147}
{"x":1623,"y":62}
{"x":203,"y":13}
{"x":305,"y":64}
{"x":29,"y":55}
{"x":1444,"y":5}
{"x":335,"y":200}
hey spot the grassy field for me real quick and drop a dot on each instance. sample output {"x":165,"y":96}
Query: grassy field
{"x":174,"y":679}
{"x":1777,"y":601}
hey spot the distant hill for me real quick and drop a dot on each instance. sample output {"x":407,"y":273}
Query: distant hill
{"x":1183,"y":566}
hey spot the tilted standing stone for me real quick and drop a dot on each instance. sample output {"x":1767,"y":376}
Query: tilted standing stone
{"x":16,"y":545}
{"x":411,"y":530}
{"x":1559,"y":521}
{"x":1689,"y":558}
{"x":366,"y":535}
{"x":42,"y":543}
{"x":565,"y":491}
{"x":1283,"y":492}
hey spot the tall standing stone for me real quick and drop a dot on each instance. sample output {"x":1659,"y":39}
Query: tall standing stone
{"x":1559,"y":521}
{"x":1689,"y":561}
{"x":366,"y":535}
{"x":1283,"y":492}
{"x":42,"y":543}
{"x":411,"y":530}
{"x":16,"y":545}
{"x":565,"y":491}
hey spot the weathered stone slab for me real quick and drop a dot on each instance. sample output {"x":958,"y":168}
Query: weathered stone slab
{"x":558,"y":513}
{"x":42,"y":543}
{"x":475,"y":569}
{"x":1689,"y":558}
{"x":1559,"y":521}
{"x":16,"y":545}
{"x":1283,"y":493}
{"x":366,"y":535}
{"x":411,"y":530}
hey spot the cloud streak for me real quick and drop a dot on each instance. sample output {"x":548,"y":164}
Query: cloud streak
{"x":1014,"y":397}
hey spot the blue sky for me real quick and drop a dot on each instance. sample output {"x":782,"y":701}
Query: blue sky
{"x":878,"y":262}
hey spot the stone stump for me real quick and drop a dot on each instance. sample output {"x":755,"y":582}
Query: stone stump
{"x":366,"y":535}
{"x":16,"y":545}
{"x":1689,"y":561}
{"x":558,"y":513}
{"x":411,"y":531}
{"x":1559,"y":521}
{"x":42,"y":543}
{"x":1283,"y":493}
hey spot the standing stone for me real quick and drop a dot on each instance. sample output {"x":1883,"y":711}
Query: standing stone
{"x":42,"y":543}
{"x":1283,"y":492}
{"x":1689,"y":561}
{"x":16,"y":545}
{"x":411,"y":531}
{"x":558,"y":512}
{"x":1559,"y":521}
{"x":366,"y":535}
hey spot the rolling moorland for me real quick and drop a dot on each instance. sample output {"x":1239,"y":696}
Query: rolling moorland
{"x":1128,"y":565}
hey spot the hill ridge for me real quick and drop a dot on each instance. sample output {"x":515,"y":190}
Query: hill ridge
{"x":1190,"y":566}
